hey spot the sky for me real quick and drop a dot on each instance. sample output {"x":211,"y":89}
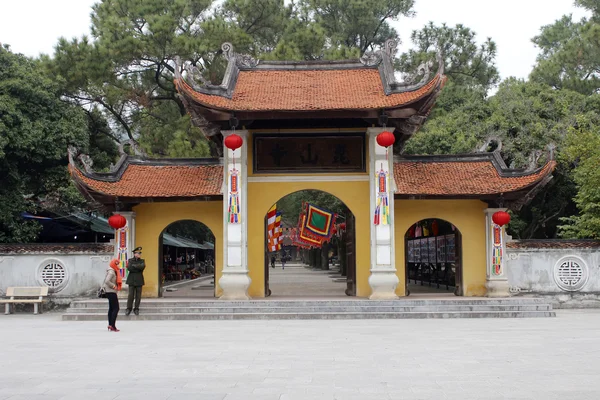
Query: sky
{"x":32,"y":27}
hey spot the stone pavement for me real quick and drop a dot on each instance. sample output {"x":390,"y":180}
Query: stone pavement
{"x":482,"y":359}
{"x":297,"y":280}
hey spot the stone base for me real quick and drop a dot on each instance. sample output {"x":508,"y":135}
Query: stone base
{"x":497,"y":288}
{"x":235,"y":284}
{"x":383,"y":284}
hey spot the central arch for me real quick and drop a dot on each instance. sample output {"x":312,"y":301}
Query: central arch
{"x":263,"y":192}
{"x":317,"y":270}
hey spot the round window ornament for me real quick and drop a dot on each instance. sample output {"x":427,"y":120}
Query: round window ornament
{"x":571,"y":273}
{"x":53,"y":273}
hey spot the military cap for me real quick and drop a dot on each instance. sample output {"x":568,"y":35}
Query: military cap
{"x":138,"y":249}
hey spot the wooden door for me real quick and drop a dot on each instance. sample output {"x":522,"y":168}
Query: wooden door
{"x":350,"y":256}
{"x":458,"y":275}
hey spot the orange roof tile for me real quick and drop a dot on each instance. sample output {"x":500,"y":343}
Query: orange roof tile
{"x":452,"y":178}
{"x":160,"y":181}
{"x":308,"y":90}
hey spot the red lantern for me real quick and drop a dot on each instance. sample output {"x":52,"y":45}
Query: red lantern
{"x":435,"y":228}
{"x":233,"y":142}
{"x":117,"y":221}
{"x":501,"y":218}
{"x":386,"y":139}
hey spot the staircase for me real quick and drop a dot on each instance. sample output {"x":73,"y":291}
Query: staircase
{"x":183,"y":309}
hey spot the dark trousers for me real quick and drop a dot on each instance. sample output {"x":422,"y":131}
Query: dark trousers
{"x":134,"y":291}
{"x":113,"y":308}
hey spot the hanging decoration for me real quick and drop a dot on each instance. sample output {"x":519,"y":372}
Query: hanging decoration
{"x":435,"y":229}
{"x":315,"y":227}
{"x":497,"y":250}
{"x":234,"y":198}
{"x":117,"y":221}
{"x":234,"y":142}
{"x":271,"y":217}
{"x":122,"y":251}
{"x":382,"y":209}
{"x":501,"y":218}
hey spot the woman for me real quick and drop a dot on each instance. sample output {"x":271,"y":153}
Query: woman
{"x":112,"y":284}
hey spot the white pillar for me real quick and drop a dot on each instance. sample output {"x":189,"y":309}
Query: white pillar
{"x":383,"y":279}
{"x":235,"y":280}
{"x":496,"y":278}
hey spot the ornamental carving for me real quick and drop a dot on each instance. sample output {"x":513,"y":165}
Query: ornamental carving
{"x":241,"y":60}
{"x":135,"y":146}
{"x":52,"y":273}
{"x":571,"y":273}
{"x":374,"y":58}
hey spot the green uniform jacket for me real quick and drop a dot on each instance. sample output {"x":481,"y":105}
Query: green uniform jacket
{"x":136,"y":272}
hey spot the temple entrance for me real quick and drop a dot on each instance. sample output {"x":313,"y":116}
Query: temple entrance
{"x":309,"y":246}
{"x":186,"y":260}
{"x":433,"y":249}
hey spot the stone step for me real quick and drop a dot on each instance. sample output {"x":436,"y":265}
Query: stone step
{"x":153,"y":303}
{"x":316,"y":315}
{"x":321,"y":309}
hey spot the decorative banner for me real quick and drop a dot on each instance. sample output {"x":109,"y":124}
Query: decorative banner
{"x":318,"y":221}
{"x":234,"y":198}
{"x":278,"y":232}
{"x":497,"y":249}
{"x":382,"y":210}
{"x":271,"y":218}
{"x":122,"y":251}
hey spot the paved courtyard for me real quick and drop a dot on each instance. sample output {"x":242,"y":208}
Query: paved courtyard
{"x":555,"y":358}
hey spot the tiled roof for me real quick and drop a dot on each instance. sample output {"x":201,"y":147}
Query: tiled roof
{"x":309,"y":90}
{"x":154,"y":181}
{"x":553,"y":244}
{"x":456,"y":178}
{"x":54,"y":248}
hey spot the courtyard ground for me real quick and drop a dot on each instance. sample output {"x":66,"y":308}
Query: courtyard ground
{"x":484,"y":359}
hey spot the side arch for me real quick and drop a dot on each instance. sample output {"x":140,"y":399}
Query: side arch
{"x":153,"y":218}
{"x":467,"y":216}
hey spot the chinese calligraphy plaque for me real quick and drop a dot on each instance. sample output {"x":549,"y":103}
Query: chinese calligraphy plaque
{"x":303,"y":153}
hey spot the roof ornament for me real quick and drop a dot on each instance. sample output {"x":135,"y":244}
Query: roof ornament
{"x":241,"y":60}
{"x":85,"y":160}
{"x":134,"y":145}
{"x":374,"y":58}
{"x":491,"y":141}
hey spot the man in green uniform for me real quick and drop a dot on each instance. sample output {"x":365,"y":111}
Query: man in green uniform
{"x":135,"y":280}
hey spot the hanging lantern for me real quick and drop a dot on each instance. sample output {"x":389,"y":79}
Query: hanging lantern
{"x":501,"y":218}
{"x":233,"y":142}
{"x":386,"y":139}
{"x":117,"y":221}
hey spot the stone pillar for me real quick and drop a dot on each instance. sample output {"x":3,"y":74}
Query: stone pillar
{"x":496,"y":279}
{"x":235,"y":280}
{"x":128,"y":231}
{"x":383,"y":279}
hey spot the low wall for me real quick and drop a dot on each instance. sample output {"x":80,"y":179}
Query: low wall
{"x":565,"y":271}
{"x":70,"y":271}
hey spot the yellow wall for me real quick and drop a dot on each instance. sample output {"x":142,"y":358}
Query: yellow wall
{"x":153,"y":218}
{"x":467,"y":216}
{"x":262,"y":196}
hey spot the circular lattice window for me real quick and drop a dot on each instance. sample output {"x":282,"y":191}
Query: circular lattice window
{"x":52,"y":273}
{"x":571,"y":273}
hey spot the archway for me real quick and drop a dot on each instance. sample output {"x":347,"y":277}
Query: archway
{"x":309,"y":246}
{"x":186,"y":260}
{"x":433,"y":262}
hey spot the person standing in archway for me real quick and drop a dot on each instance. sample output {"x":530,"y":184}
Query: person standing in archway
{"x":135,"y":280}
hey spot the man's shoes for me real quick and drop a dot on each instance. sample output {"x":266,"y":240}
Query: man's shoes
{"x":136,"y":312}
{"x":127,"y":312}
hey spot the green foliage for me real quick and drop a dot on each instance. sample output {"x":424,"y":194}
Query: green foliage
{"x":582,"y":150}
{"x":36,"y":128}
{"x":570,"y":52}
{"x":467,"y":64}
